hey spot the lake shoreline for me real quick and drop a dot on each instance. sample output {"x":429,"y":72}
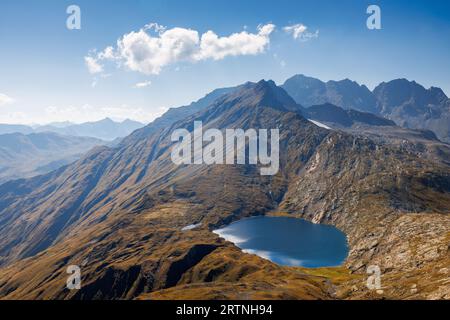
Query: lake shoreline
{"x":288,"y":240}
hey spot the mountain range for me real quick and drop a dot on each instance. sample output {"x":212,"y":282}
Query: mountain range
{"x":25,"y":156}
{"x":407,"y":103}
{"x":105,"y":129}
{"x":121,"y":212}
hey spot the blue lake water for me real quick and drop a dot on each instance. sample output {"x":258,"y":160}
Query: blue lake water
{"x":288,"y":241}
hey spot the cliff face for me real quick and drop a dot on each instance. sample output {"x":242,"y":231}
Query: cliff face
{"x":119,"y":213}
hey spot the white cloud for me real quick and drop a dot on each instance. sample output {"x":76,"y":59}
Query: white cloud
{"x":296,"y":30}
{"x":154,"y":47}
{"x":214,"y":47}
{"x":142,"y":52}
{"x":93,"y":65}
{"x":300,"y":32}
{"x":155,"y":26}
{"x":108,"y":53}
{"x":4,"y":99}
{"x":143,"y":84}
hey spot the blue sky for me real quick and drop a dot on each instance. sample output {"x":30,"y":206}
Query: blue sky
{"x":44,"y":76}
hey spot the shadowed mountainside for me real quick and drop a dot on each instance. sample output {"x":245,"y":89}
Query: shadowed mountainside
{"x":329,"y":113}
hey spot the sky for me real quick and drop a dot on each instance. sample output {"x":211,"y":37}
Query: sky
{"x":135,"y":59}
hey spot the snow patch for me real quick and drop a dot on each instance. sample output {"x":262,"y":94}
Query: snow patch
{"x":191,"y":226}
{"x":319,"y":124}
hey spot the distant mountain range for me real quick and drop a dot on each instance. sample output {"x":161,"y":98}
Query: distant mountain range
{"x":24,"y":156}
{"x":406,"y":102}
{"x":121,"y":213}
{"x":105,"y":129}
{"x":15,"y":128}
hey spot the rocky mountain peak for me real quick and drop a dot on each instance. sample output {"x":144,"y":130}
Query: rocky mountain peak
{"x":345,"y":93}
{"x":407,"y":95}
{"x":262,"y":94}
